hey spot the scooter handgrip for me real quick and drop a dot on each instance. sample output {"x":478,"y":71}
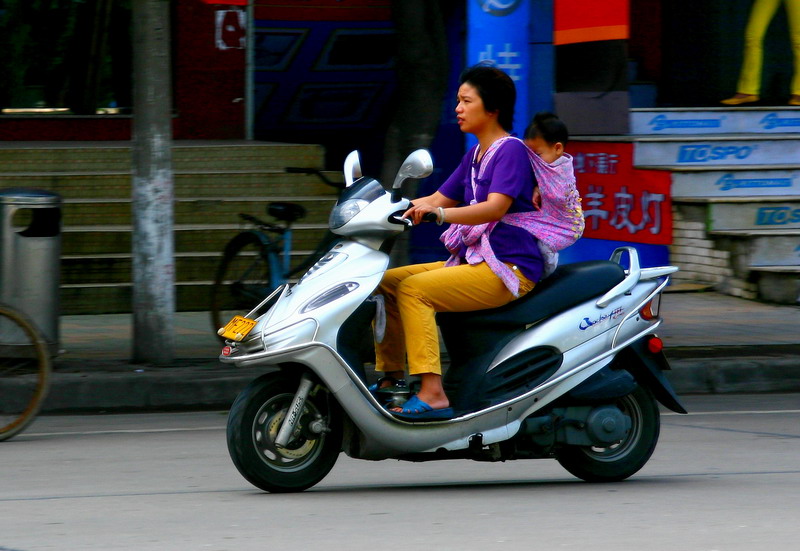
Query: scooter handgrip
{"x":429,"y":217}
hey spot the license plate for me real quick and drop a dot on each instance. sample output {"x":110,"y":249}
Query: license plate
{"x":237,"y":328}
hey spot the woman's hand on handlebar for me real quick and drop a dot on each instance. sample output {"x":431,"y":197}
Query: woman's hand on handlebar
{"x":429,"y":206}
{"x":421,"y":212}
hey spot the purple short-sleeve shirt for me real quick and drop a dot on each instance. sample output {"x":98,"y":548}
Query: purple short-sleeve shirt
{"x":508,"y":172}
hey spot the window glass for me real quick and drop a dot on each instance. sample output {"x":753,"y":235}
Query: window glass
{"x":65,"y":56}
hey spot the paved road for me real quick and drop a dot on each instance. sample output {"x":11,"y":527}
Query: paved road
{"x":724,"y":478}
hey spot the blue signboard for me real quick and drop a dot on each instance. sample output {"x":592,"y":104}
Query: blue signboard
{"x":498,"y":34}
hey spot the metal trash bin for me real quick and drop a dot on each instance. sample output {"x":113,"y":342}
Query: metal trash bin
{"x":30,"y":251}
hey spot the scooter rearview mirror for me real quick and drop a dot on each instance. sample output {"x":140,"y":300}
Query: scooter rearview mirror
{"x":419,"y":164}
{"x":352,"y":168}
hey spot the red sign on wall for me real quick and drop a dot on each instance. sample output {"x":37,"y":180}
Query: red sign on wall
{"x":621,"y":203}
{"x":589,"y":21}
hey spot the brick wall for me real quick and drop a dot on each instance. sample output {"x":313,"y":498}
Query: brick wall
{"x":704,"y":259}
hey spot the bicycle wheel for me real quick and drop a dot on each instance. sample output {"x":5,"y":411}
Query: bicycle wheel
{"x":25,"y":370}
{"x":242,"y":280}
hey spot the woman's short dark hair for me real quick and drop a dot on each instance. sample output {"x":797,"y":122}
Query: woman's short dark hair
{"x":548,"y":127}
{"x":496,"y":89}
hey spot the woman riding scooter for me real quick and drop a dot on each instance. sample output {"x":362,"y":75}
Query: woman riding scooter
{"x":495,"y":258}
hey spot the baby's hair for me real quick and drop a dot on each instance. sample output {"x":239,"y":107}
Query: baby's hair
{"x":549,"y":127}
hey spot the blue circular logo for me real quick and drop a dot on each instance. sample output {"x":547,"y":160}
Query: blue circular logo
{"x":499,"y":8}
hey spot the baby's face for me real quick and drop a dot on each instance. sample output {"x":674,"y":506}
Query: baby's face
{"x":548,"y":152}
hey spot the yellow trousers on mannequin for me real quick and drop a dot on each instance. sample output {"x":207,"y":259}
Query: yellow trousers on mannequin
{"x":760,"y":17}
{"x":413,"y":294}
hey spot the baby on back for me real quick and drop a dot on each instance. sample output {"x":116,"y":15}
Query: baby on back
{"x":559,"y":215}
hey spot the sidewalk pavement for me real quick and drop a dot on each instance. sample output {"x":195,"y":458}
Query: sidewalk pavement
{"x":715,"y":344}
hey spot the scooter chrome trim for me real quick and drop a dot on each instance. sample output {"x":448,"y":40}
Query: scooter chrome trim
{"x":635,"y":311}
{"x":630,"y":281}
{"x":280,"y":289}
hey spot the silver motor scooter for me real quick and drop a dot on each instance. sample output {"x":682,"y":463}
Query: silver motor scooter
{"x":572,"y":371}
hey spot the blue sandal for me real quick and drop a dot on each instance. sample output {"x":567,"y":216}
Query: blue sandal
{"x":415,"y":409}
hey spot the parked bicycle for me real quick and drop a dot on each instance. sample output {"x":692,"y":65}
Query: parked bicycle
{"x":25,"y":369}
{"x":258,"y":260}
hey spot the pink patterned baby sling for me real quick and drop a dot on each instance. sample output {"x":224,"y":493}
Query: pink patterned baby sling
{"x":557,"y":225}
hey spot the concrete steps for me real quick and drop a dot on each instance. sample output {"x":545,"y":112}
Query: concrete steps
{"x":213,"y":182}
{"x":99,"y":211}
{"x":114,"y":239}
{"x":93,"y":157}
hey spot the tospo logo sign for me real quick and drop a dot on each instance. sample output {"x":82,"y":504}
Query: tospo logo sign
{"x":703,"y":153}
{"x":777,"y":216}
{"x":499,"y":7}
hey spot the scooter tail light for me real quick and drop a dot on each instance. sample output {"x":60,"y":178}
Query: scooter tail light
{"x":650,"y":310}
{"x":655,"y":344}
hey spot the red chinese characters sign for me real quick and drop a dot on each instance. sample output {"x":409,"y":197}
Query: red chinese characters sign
{"x":621,"y":203}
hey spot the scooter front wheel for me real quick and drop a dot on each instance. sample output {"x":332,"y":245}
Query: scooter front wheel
{"x":256,"y":417}
{"x":624,"y":458}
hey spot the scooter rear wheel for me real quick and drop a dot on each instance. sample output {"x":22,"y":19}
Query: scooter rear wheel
{"x":254,"y":421}
{"x":622,"y":459}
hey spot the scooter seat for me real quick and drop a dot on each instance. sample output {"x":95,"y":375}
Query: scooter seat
{"x":568,"y":286}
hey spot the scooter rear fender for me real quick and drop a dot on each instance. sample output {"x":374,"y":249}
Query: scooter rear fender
{"x":648,"y":369}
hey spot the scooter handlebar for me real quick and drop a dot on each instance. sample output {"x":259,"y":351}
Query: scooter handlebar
{"x":397,"y":217}
{"x":429,"y":217}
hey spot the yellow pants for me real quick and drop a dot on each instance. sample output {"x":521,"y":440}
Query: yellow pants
{"x":760,"y":17}
{"x":413,"y":294}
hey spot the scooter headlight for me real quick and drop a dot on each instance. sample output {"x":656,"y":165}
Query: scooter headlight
{"x":344,"y":212}
{"x":354,"y":199}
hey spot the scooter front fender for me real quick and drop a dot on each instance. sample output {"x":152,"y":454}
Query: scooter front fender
{"x":648,"y":369}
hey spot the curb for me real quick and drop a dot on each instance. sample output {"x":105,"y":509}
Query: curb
{"x":735,"y":374}
{"x":202,"y":385}
{"x":139,"y":388}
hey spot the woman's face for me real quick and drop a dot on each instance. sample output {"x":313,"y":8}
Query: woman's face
{"x":471,"y":114}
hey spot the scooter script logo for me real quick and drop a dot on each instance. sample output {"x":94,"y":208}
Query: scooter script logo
{"x":586,"y":323}
{"x":703,"y":153}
